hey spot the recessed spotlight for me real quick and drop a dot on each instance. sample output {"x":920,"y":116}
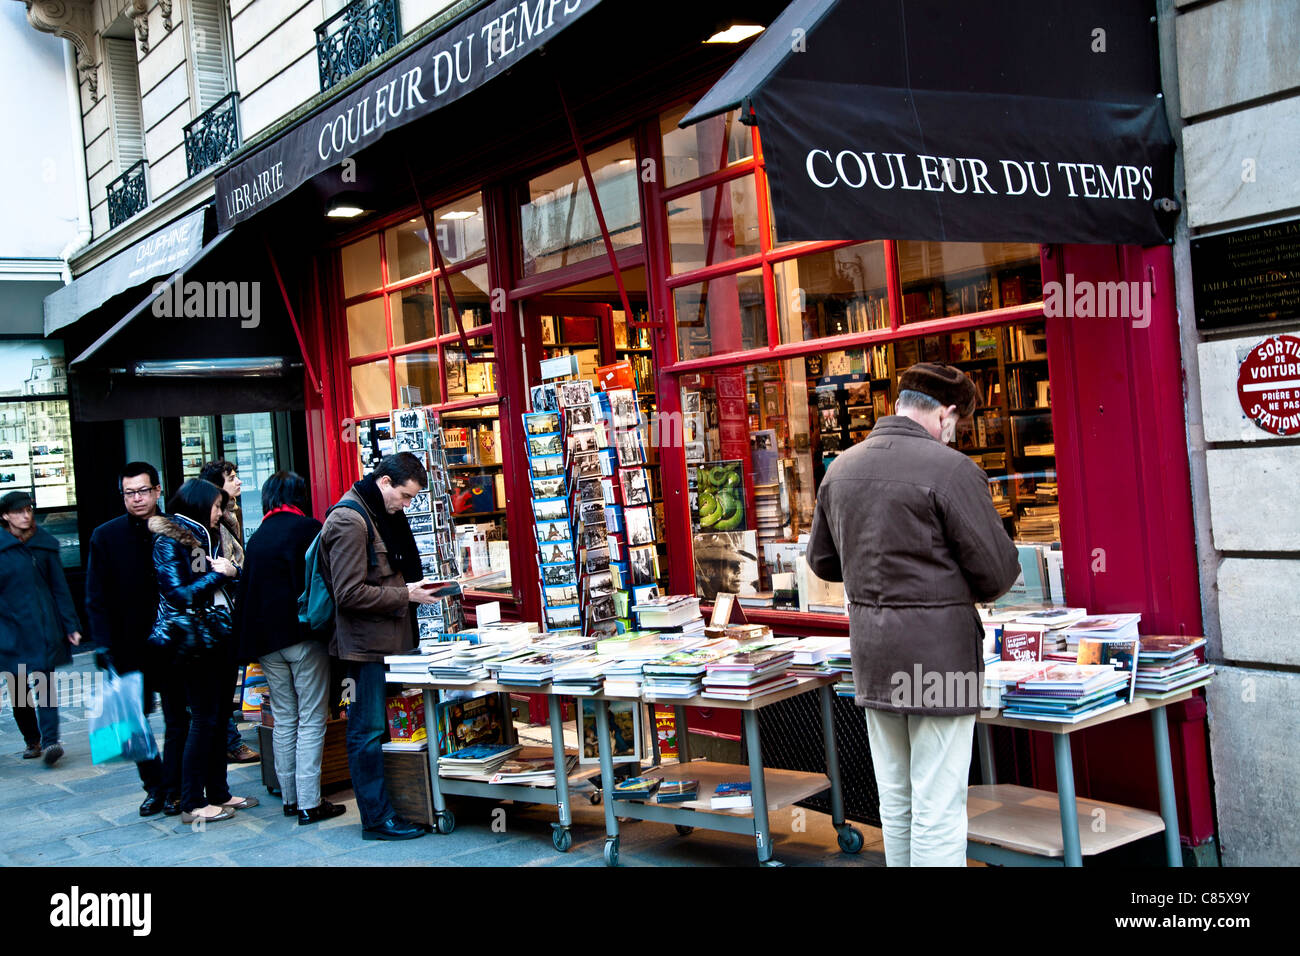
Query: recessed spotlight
{"x":736,"y":33}
{"x":344,"y":211}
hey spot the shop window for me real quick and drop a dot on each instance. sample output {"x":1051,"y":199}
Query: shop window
{"x":248,"y":442}
{"x":413,"y":314}
{"x":759,"y":438}
{"x":704,"y":147}
{"x":462,"y":234}
{"x":956,"y":278}
{"x":558,"y":221}
{"x":709,"y":227}
{"x":473,"y":299}
{"x":475,"y":468}
{"x":366,"y":331}
{"x":372,"y":392}
{"x":198,"y":444}
{"x":407,"y":248}
{"x":836,"y":292}
{"x":421,"y":370}
{"x":468,"y":375}
{"x":361,"y":267}
{"x":721,"y":315}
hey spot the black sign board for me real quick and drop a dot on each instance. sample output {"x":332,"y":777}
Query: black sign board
{"x":1248,"y":276}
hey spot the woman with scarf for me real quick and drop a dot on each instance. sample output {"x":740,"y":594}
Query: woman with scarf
{"x":193,"y":574}
{"x":369,"y":561}
{"x":295,"y":661}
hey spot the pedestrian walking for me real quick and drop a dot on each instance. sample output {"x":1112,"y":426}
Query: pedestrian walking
{"x":122,"y":607}
{"x":372,"y":618}
{"x":38,"y":622}
{"x":908,"y":525}
{"x":296,"y":663}
{"x":192,"y":577}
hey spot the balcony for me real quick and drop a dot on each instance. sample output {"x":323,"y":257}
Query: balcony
{"x":213,"y":135}
{"x":354,"y":36}
{"x":127,"y":194}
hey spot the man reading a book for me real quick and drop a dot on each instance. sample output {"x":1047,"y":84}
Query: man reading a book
{"x":907,"y":523}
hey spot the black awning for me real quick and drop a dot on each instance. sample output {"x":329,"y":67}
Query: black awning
{"x":989,"y":120}
{"x":157,"y":254}
{"x":433,"y":74}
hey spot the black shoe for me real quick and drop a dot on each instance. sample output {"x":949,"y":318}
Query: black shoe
{"x":33,"y":751}
{"x":172,"y":807}
{"x":291,"y":809}
{"x":394,"y":828}
{"x":52,"y":754}
{"x":326,"y":811}
{"x":152,"y":804}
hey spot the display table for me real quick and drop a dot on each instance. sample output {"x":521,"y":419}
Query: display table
{"x":771,"y":789}
{"x":556,"y":796}
{"x":1018,"y":825}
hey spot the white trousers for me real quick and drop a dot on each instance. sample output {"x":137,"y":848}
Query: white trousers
{"x":922,"y":769}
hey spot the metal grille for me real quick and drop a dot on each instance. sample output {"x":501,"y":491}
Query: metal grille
{"x":127,"y":195}
{"x":792,"y":740}
{"x":213,"y":136}
{"x":354,"y":36}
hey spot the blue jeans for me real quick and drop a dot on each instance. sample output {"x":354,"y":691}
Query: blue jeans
{"x":35,"y":709}
{"x":367,"y":732}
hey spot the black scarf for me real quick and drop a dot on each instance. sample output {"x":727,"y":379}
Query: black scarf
{"x":394,"y":529}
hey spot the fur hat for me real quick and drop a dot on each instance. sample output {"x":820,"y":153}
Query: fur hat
{"x":943,"y":383}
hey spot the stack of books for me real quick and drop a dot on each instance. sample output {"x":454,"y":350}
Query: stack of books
{"x":841,"y":660}
{"x":532,"y":766}
{"x":583,"y":676}
{"x":670,"y":612}
{"x":1169,"y":665}
{"x":464,"y":666}
{"x":1067,"y":693}
{"x":732,"y":796}
{"x":476,"y":760}
{"x":1001,"y":676}
{"x":677,"y":791}
{"x":1101,"y":625}
{"x":680,"y":675}
{"x":623,"y":677}
{"x":636,"y":788}
{"x":749,"y":674}
{"x":812,"y":656}
{"x":536,"y":670}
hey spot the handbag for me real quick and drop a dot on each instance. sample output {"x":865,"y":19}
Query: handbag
{"x":194,"y":633}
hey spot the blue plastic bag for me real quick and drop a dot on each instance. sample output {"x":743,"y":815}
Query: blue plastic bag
{"x":119,"y":730}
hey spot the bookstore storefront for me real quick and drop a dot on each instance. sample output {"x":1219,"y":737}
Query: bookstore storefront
{"x":755,"y":360}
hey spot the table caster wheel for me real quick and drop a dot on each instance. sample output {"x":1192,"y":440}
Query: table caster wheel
{"x":611,"y":852}
{"x":850,"y":840}
{"x":445,"y":822}
{"x":684,"y":830}
{"x":595,"y":798}
{"x":561,"y":838}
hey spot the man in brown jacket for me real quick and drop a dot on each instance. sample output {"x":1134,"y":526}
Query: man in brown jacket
{"x":908,"y":525}
{"x":372,"y":567}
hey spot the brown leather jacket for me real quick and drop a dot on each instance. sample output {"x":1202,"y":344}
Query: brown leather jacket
{"x":371,"y":604}
{"x":908,"y":525}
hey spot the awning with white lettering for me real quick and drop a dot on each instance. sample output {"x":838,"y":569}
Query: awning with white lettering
{"x":988,"y":120}
{"x":439,"y":71}
{"x":158,"y":254}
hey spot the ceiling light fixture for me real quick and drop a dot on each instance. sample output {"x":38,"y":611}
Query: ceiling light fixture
{"x":458,"y":214}
{"x":736,"y":33}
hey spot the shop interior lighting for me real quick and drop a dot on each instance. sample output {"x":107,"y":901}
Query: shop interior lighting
{"x":344,"y":211}
{"x":458,"y":214}
{"x":736,"y":33}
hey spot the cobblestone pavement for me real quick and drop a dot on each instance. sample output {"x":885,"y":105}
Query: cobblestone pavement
{"x":76,"y":814}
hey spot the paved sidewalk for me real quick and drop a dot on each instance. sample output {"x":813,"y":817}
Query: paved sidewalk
{"x":76,"y":814}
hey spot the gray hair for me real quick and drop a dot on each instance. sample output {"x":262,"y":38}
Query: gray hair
{"x":917,"y":401}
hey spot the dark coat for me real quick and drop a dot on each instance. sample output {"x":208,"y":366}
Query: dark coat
{"x":36,"y":609}
{"x":372,"y":605}
{"x":122,"y":590}
{"x":180,"y":552}
{"x":275,"y":573}
{"x":908,"y":525}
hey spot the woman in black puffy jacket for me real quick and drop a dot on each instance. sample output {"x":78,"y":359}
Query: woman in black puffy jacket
{"x":189,"y":576}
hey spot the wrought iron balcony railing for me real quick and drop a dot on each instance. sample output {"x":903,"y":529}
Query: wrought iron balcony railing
{"x":354,"y":36}
{"x":213,"y":135}
{"x":127,"y":194}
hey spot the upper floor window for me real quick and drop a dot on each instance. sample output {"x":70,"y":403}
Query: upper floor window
{"x":210,"y":49}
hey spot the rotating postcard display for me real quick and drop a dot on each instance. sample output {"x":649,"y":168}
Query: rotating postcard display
{"x":591,"y":503}
{"x":429,"y":514}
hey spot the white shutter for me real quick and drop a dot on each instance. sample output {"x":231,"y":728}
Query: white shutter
{"x":124,"y":82}
{"x":208,"y":42}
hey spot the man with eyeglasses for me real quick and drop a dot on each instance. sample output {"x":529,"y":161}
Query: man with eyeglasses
{"x":122,"y":605}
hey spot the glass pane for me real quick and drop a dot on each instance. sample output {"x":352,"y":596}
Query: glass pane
{"x":412,"y":311}
{"x":559,"y":224}
{"x":472,"y":299}
{"x":421,"y":370}
{"x":461,"y":230}
{"x":371,"y":390}
{"x":198,"y":444}
{"x":476,"y":477}
{"x":832,"y":293}
{"x":704,"y":147}
{"x":714,"y":225}
{"x":954,"y":278}
{"x":407,"y":248}
{"x":248,"y":441}
{"x":721,"y":315}
{"x":467,"y":375}
{"x":779,"y":425}
{"x":361,"y":267}
{"x":366,"y":332}
{"x":36,"y":452}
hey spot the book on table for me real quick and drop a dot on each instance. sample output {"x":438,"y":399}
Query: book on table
{"x":636,"y":788}
{"x":732,"y":796}
{"x":677,"y":791}
{"x":750,"y":692}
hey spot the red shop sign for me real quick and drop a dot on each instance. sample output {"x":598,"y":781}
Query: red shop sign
{"x":1268,"y":385}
